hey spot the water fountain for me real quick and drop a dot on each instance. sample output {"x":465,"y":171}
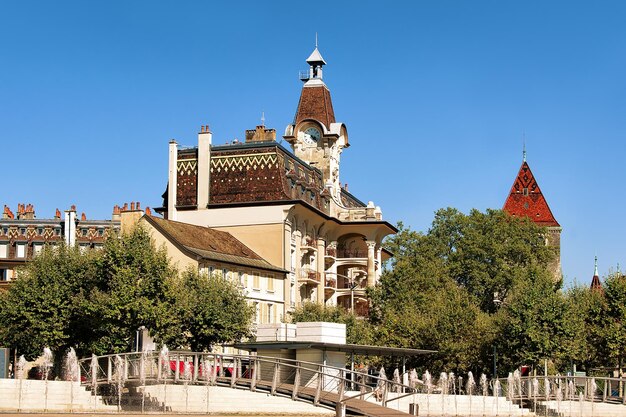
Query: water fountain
{"x":484,"y":389}
{"x":559,"y":398}
{"x":452,"y":388}
{"x":48,"y":362}
{"x":206,"y":369}
{"x":592,"y":394}
{"x":120,"y":378}
{"x":20,"y":373}
{"x":443,"y":386}
{"x":469,"y":388}
{"x":535,"y":384}
{"x":187,"y":376}
{"x":581,"y":401}
{"x":429,"y":387}
{"x":396,"y":380}
{"x":497,"y":390}
{"x":93,"y":367}
{"x":572,"y":392}
{"x":546,"y":385}
{"x":72,"y":372}
{"x":164,"y":371}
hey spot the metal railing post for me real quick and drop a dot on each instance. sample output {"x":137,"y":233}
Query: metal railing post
{"x":233,"y":373}
{"x":214,"y":371}
{"x":320,"y":382}
{"x":254,"y":374}
{"x":177,"y":370}
{"x":341,"y":386}
{"x":296,"y":382}
{"x":275,"y":378}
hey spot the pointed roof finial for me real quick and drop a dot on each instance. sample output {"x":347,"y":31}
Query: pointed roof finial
{"x":316,"y":39}
{"x":262,"y":118}
{"x":524,"y":146}
{"x":595,"y":268}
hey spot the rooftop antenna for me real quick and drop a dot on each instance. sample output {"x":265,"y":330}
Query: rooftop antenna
{"x":524,"y":146}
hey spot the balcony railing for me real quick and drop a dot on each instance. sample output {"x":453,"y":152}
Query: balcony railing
{"x":330,"y":283}
{"x":351,"y":253}
{"x":309,"y":275}
{"x":332,"y":252}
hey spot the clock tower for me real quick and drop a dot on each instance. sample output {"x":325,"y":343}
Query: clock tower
{"x":315,"y":136}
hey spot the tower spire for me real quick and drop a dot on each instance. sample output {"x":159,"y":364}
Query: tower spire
{"x":595,"y":268}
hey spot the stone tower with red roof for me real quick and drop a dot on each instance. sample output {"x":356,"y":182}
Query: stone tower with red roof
{"x":526,"y":200}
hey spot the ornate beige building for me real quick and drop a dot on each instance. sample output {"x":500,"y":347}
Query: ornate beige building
{"x":287,"y":205}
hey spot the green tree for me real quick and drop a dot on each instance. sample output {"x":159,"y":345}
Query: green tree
{"x":206,"y":310}
{"x":445,"y":288}
{"x":615,"y":324}
{"x":40,"y":309}
{"x":533,"y":324}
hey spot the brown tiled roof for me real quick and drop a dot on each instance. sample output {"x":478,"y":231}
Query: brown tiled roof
{"x":315,"y":103}
{"x":527,"y":200}
{"x":211,"y":244}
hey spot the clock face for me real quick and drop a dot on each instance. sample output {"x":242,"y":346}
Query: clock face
{"x":312,"y":135}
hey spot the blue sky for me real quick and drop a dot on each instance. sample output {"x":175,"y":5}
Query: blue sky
{"x":436,"y":96}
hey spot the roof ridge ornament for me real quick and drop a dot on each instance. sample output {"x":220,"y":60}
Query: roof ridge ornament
{"x":524,"y":147}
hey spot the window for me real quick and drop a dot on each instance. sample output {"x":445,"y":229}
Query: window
{"x":83,"y":248}
{"x":57,"y":231}
{"x":4,"y":250}
{"x":225,"y":273}
{"x":270,"y":284}
{"x":37,"y":248}
{"x":211,"y":269}
{"x":257,"y":312}
{"x":5,"y":230}
{"x":100,"y":232}
{"x":20,"y":250}
{"x":3,"y":275}
{"x":83,"y":232}
{"x":39,"y":231}
{"x":270,"y":313}
{"x":525,"y":191}
{"x":22,"y":231}
{"x":255,"y":282}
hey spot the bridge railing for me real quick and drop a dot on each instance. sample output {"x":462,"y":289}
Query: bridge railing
{"x":321,"y":384}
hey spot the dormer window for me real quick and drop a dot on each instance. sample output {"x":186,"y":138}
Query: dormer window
{"x":525,"y":190}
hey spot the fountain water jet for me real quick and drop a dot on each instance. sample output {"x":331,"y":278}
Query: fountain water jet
{"x":46,"y":365}
{"x":94,"y":366}
{"x":443,"y":386}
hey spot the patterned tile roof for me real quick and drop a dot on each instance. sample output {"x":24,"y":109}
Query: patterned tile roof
{"x":315,"y":103}
{"x":527,"y":200}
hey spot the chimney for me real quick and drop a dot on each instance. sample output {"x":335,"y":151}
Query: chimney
{"x":57,"y":214}
{"x":70,"y":226}
{"x":129,"y":218}
{"x":116,"y":213}
{"x":260,"y":134}
{"x":205,"y":137}
{"x":172,"y":186}
{"x":83,"y":217}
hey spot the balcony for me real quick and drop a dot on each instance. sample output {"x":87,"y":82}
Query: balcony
{"x":308,"y":245}
{"x":351,"y":253}
{"x":309,"y":276}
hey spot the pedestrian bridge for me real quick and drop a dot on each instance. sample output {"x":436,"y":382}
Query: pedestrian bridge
{"x":139,"y":382}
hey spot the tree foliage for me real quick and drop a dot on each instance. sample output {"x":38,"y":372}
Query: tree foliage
{"x":208,"y":309}
{"x":95,"y":301}
{"x":453,"y":289}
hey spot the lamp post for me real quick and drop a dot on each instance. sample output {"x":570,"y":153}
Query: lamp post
{"x":497,"y":302}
